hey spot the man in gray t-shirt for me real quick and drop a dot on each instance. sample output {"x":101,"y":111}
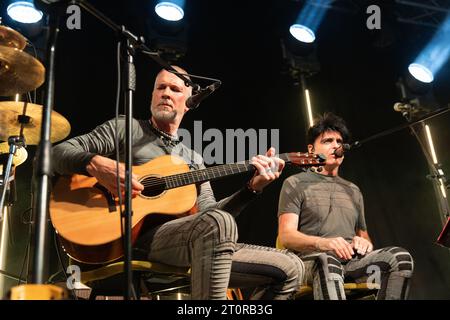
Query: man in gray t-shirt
{"x":329,"y":205}
{"x":321,"y":217}
{"x":206,"y":241}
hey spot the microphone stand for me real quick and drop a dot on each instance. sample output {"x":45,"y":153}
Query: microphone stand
{"x":434,"y":168}
{"x":430,"y":115}
{"x":434,"y":175}
{"x":132,"y":43}
{"x":40,"y":231}
{"x":438,"y":178}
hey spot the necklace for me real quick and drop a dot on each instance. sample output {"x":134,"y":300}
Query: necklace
{"x":166,"y":137}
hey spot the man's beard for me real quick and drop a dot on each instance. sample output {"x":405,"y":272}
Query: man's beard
{"x":164,"y":115}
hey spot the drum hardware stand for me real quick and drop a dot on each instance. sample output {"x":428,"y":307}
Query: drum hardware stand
{"x":7,"y":199}
{"x":14,"y":142}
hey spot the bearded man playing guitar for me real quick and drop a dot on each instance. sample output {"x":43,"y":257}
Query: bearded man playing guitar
{"x":205,"y":241}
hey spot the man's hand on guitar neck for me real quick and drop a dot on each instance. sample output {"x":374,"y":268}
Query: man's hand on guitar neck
{"x":104,"y":170}
{"x":268,"y":169}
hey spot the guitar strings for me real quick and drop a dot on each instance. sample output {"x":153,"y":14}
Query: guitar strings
{"x":184,"y":179}
{"x":200,"y":174}
{"x":187,"y":178}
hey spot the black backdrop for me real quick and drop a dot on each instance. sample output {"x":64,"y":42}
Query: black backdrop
{"x":239,"y":43}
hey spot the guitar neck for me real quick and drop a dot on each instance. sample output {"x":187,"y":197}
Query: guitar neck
{"x":208,"y":174}
{"x":213,"y":173}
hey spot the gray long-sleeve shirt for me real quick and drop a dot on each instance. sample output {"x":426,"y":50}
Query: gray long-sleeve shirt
{"x":73,"y":155}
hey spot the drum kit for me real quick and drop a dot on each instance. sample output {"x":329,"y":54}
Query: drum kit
{"x":20,"y":121}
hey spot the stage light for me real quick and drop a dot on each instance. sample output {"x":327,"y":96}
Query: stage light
{"x":435,"y":54}
{"x":302,"y":33}
{"x":416,"y":82}
{"x":421,"y":72}
{"x":167,"y":31}
{"x":308,"y":20}
{"x":24,"y":11}
{"x":170,"y":10}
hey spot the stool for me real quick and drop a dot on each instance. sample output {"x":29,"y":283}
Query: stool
{"x":107,"y":282}
{"x":152,"y":280}
{"x":353,"y":290}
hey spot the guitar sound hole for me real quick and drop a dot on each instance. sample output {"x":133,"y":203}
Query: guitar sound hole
{"x":153,"y":186}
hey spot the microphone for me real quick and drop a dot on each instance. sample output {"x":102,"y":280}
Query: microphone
{"x":406,"y":108}
{"x":339,"y":152}
{"x":403,"y":107}
{"x":194,"y":101}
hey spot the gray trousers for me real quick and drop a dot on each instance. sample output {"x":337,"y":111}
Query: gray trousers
{"x":390,"y":267}
{"x":207,"y":242}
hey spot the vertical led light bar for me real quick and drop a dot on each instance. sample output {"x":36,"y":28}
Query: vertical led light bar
{"x":309,"y":108}
{"x":435,"y":160}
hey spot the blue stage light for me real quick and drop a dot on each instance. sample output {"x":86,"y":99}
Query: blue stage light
{"x":435,"y":54}
{"x":421,"y":72}
{"x":24,"y":11}
{"x":170,"y":10}
{"x":302,"y":33}
{"x":308,"y":20}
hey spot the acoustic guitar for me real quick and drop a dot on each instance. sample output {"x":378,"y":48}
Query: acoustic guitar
{"x":86,"y":215}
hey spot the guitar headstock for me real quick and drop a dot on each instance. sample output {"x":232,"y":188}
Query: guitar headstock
{"x":306,"y":159}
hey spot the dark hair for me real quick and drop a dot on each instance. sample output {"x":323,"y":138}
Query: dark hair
{"x":327,"y":122}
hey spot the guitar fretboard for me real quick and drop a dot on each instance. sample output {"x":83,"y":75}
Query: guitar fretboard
{"x":212,"y":173}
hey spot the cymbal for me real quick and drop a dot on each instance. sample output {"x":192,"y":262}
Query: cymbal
{"x":10,"y":125}
{"x":11,"y":38}
{"x":19,"y":72}
{"x":20,"y":156}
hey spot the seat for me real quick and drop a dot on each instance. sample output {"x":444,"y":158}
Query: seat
{"x":152,"y":281}
{"x":353,"y":290}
